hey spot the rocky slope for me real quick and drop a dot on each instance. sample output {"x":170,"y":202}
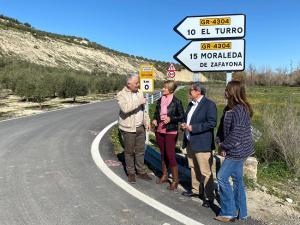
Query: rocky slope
{"x":25,"y":43}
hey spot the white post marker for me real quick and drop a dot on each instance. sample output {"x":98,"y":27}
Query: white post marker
{"x":147,"y":85}
{"x":196,"y":77}
{"x":147,"y":111}
{"x":216,"y":55}
{"x":228,"y":77}
{"x":212,"y":27}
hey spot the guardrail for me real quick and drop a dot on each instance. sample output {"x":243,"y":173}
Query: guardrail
{"x":151,"y":98}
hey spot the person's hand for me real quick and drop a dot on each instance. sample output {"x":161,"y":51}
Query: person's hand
{"x":189,"y":128}
{"x":148,"y":127}
{"x":167,"y":120}
{"x":183,"y":126}
{"x":154,"y":122}
{"x":221,"y":152}
{"x":143,"y":101}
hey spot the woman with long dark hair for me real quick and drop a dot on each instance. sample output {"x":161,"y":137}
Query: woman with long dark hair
{"x":235,"y":144}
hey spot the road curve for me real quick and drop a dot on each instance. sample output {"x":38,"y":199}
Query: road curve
{"x":48,"y":176}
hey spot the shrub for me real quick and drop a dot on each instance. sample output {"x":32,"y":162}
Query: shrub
{"x":282,"y":129}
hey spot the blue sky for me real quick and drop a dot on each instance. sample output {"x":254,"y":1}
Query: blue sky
{"x":145,"y":27}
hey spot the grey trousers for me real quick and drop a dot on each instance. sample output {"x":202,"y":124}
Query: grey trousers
{"x":134,"y":144}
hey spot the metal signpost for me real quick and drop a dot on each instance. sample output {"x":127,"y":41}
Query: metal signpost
{"x":216,"y":43}
{"x":146,"y":74}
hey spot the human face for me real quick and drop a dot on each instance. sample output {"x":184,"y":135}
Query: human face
{"x":166,"y":91}
{"x":133,"y":84}
{"x":195,"y":95}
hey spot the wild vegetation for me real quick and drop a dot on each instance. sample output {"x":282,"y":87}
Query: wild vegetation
{"x":37,"y":83}
{"x":11,"y":23}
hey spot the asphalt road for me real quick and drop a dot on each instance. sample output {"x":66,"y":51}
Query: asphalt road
{"x":48,"y":176}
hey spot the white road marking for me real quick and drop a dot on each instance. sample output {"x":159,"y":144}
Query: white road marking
{"x":130,"y":189}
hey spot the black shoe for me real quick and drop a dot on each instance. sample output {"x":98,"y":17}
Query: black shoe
{"x":189,"y":194}
{"x":144,"y":176}
{"x":207,"y":203}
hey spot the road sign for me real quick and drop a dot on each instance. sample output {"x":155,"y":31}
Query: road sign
{"x":171,"y":71}
{"x":146,"y":71}
{"x":146,"y":78}
{"x":147,"y":85}
{"x":171,"y":74}
{"x":215,"y":55}
{"x":171,"y":67}
{"x":212,"y":27}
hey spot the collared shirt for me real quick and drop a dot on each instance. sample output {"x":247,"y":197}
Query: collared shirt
{"x":190,"y":114}
{"x":139,"y":116}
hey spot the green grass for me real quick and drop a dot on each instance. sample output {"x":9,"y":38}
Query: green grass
{"x":274,"y":174}
{"x":116,"y":140}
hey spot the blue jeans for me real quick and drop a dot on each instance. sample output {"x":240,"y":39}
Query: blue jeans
{"x":232,"y":201}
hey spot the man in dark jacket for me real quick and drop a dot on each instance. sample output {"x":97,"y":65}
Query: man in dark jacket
{"x":201,"y":119}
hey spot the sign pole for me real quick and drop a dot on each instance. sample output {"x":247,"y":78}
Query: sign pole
{"x":147,"y":85}
{"x":228,"y":77}
{"x":147,"y":111}
{"x":196,"y":77}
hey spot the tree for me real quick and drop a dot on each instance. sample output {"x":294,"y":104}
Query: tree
{"x":72,"y":87}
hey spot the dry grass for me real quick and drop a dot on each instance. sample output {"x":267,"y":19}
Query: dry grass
{"x":12,"y":106}
{"x":282,"y":126}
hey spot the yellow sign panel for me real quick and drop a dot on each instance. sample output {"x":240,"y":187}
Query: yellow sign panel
{"x":215,"y":21}
{"x":215,"y":45}
{"x":146,"y":71}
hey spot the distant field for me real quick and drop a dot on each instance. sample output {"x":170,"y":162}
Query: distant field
{"x":259,"y":97}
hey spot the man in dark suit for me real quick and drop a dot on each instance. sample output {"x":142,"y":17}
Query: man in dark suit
{"x":201,"y":119}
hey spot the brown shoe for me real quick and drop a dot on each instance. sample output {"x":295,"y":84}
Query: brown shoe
{"x":144,"y":176}
{"x":164,"y":177}
{"x":131,"y":178}
{"x":224,"y":219}
{"x":173,"y":186}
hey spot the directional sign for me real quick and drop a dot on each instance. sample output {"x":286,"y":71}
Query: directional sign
{"x":212,"y":27}
{"x":214,"y":55}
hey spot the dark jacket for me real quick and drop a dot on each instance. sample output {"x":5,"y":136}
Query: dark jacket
{"x":203,"y":121}
{"x":175,"y":112}
{"x":234,"y":133}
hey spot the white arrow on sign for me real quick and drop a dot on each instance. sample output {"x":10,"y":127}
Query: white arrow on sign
{"x":212,"y":27}
{"x":214,"y":55}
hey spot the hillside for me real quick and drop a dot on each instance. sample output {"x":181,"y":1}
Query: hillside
{"x":21,"y":41}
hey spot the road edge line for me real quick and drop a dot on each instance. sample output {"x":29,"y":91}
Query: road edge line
{"x":130,"y":189}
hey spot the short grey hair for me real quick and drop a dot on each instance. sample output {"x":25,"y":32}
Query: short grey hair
{"x":130,"y":76}
{"x":198,"y":87}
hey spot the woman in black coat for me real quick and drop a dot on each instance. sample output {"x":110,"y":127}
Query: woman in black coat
{"x":168,"y":113}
